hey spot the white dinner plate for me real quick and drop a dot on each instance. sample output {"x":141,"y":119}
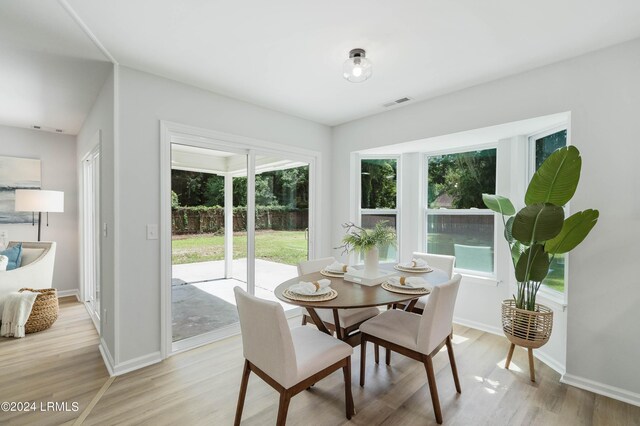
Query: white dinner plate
{"x":332,"y":274}
{"x":320,"y":292}
{"x":408,"y":286}
{"x":417,"y":270}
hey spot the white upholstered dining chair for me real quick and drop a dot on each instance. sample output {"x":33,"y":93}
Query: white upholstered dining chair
{"x":437,"y":261}
{"x":416,"y":336}
{"x":289,"y":360}
{"x":350,"y":319}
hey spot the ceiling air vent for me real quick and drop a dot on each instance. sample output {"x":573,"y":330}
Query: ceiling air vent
{"x":396,"y":102}
{"x":47,"y":129}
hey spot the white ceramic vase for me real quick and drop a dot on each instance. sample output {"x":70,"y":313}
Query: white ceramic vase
{"x":371,"y":262}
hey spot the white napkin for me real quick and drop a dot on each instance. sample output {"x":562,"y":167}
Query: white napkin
{"x":337,"y":267}
{"x":412,"y":282}
{"x":4,"y":261}
{"x":309,"y":288}
{"x":415,"y":263}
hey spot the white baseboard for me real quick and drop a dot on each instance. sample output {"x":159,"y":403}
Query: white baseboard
{"x":478,"y":326}
{"x":552,"y":363}
{"x":137,"y":363}
{"x":67,"y":293}
{"x":127,"y":366}
{"x":602,"y":389}
{"x":106,"y":357}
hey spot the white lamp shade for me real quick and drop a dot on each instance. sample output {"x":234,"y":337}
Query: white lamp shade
{"x":39,"y":200}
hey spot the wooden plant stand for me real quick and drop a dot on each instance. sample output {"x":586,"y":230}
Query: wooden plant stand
{"x":528,"y":329}
{"x":532,"y":371}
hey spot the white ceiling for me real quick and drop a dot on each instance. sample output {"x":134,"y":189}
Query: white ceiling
{"x":50,"y":72}
{"x":287,"y":54}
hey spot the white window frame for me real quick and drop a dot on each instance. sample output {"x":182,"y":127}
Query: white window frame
{"x":360,"y":211}
{"x":546,"y":291}
{"x":472,"y":211}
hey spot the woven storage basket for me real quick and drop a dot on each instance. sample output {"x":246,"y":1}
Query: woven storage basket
{"x":44,"y":312}
{"x":528,"y":329}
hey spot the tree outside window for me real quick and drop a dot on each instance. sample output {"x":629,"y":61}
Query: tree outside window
{"x":378,"y":189}
{"x":458,"y":224}
{"x":544,"y":146}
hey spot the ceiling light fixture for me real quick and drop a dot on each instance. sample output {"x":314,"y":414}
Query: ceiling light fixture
{"x":357,"y":68}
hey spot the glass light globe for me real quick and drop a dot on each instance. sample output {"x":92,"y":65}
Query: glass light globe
{"x":357,"y":68}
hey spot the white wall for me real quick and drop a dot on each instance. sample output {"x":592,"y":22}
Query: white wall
{"x":101,"y":118}
{"x":58,"y":154}
{"x":146,"y":99}
{"x":602,"y":92}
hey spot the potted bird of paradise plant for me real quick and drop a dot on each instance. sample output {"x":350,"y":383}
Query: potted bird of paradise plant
{"x":536,"y":234}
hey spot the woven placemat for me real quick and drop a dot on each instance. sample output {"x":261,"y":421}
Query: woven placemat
{"x":416,"y":271}
{"x":299,"y":297}
{"x":332,"y":274}
{"x":408,"y":290}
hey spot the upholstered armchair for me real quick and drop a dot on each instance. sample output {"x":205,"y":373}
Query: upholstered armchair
{"x":35,"y":271}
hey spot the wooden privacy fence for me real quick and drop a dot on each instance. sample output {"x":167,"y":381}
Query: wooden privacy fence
{"x":210,"y":220}
{"x":444,"y":231}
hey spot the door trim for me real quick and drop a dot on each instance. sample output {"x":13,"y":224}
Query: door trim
{"x":171,"y":132}
{"x":96,"y":142}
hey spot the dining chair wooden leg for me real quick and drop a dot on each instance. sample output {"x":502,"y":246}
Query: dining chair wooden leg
{"x":304,"y":320}
{"x":337,"y":327}
{"x":532,"y":371}
{"x":433,"y":388}
{"x":283,"y":407}
{"x":243,"y":392}
{"x":348,"y":397}
{"x":454,"y":368}
{"x":363,"y":357}
{"x":388,"y":356}
{"x":509,"y":355}
{"x":376,"y":352}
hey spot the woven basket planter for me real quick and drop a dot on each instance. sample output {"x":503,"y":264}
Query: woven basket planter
{"x":44,"y":312}
{"x":528,"y":329}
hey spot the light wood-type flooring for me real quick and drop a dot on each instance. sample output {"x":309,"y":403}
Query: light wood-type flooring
{"x":200,"y":387}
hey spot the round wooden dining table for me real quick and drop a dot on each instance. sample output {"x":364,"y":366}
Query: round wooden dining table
{"x":352,"y":295}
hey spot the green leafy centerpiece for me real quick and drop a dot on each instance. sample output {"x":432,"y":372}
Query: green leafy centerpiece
{"x":368,"y":242}
{"x":536,"y":234}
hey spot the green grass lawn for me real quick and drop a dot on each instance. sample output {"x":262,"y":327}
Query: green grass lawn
{"x":555,"y":279}
{"x":289,"y":247}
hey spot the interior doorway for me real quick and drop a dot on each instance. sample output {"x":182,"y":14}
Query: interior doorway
{"x":90,"y":232}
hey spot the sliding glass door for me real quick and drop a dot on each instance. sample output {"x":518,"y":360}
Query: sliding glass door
{"x":238,"y":218}
{"x":208,"y":238}
{"x":281,"y":221}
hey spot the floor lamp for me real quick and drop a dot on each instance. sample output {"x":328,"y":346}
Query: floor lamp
{"x":40,"y":201}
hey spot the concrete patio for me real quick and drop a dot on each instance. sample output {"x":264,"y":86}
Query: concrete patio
{"x":202,"y":296}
